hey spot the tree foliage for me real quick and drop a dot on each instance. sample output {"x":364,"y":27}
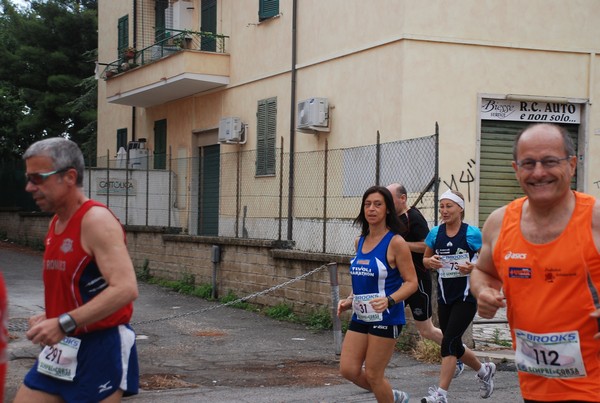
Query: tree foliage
{"x":47,"y":85}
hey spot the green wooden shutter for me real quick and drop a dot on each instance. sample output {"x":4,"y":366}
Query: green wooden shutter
{"x":122,"y":34}
{"x":208,"y":23}
{"x":267,"y":9}
{"x":265,"y":136}
{"x":160,"y":21}
{"x":160,"y":144}
{"x":121,"y":139}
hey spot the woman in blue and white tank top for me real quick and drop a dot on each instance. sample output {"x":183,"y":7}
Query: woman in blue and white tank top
{"x":383,"y":276}
{"x":451,"y":250}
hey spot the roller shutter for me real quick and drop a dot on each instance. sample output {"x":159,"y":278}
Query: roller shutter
{"x":497,"y":183}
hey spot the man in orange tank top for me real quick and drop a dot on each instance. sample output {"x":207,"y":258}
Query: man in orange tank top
{"x":541,"y":253}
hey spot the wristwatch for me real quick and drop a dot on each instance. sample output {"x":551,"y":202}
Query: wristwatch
{"x":67,"y":323}
{"x":391,"y":301}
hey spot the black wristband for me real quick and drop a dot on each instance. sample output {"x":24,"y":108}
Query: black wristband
{"x":391,"y":301}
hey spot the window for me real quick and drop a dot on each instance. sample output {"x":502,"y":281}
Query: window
{"x":267,"y":9}
{"x":208,"y":23}
{"x":123,"y":35}
{"x":266,"y":118}
{"x":160,"y":144}
{"x":121,"y":139}
{"x":160,"y":20}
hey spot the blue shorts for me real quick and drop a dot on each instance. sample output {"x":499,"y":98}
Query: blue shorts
{"x":106,"y":362}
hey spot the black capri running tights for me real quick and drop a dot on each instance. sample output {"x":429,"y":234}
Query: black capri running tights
{"x":454,"y":320}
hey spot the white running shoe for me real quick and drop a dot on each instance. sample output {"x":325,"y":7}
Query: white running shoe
{"x":434,"y":396}
{"x":486,"y":387}
{"x":399,"y":396}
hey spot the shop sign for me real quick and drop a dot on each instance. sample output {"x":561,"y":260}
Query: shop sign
{"x":530,"y":111}
{"x":118,"y":187}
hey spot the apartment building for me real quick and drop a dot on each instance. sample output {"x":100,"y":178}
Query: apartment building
{"x":200,"y":82}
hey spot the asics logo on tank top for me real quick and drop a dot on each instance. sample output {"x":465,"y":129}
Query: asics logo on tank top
{"x":515,"y":255}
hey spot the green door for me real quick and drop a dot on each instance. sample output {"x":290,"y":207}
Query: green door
{"x":208,"y":23}
{"x":208,"y":217}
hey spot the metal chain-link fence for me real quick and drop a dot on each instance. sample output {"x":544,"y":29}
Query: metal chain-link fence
{"x":220,"y":194}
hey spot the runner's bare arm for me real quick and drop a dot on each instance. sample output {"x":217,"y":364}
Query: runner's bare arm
{"x":102,"y":237}
{"x":485,"y":282}
{"x":596,"y":235}
{"x":403,"y":261}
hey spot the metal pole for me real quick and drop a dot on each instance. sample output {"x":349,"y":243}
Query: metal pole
{"x":148,"y":186}
{"x":437,"y":173}
{"x":325,"y":198}
{"x":107,"y":177}
{"x":335,"y":299}
{"x":127,"y":189}
{"x":169,"y":172}
{"x":377,"y":159}
{"x":280,"y":189}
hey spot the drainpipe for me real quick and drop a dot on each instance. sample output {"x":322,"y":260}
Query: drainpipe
{"x":135,"y":46}
{"x":292,"y":127}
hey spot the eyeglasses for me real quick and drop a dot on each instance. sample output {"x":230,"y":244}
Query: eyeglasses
{"x":529,"y":164}
{"x":39,"y":178}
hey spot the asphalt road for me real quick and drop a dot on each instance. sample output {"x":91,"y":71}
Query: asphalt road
{"x":223,"y":354}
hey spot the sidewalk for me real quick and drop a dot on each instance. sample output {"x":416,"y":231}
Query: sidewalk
{"x":228,"y":354}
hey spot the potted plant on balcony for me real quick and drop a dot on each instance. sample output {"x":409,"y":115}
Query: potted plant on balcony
{"x":129,"y":53}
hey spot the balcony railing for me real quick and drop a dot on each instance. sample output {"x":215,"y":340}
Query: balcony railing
{"x":174,"y":41}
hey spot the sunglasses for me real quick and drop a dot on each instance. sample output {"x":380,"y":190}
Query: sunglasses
{"x":39,"y":178}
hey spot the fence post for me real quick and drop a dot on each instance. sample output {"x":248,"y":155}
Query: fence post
{"x":437,"y":173}
{"x":148,"y":187}
{"x":107,"y":178}
{"x":169,"y":172}
{"x":127,"y":188}
{"x":325,"y":198}
{"x":238,"y":187}
{"x":280,"y":188}
{"x":335,"y":299}
{"x":90,"y":176}
{"x":377,"y":159}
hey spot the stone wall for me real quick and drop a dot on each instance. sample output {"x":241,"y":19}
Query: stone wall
{"x":25,"y":228}
{"x":245,"y":266}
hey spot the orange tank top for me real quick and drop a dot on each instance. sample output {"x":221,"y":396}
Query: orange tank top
{"x":550,"y":291}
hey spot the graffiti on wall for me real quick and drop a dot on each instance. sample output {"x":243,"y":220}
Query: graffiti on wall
{"x":466,"y":177}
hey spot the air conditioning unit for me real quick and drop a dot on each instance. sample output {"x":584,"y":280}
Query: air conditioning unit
{"x":230,"y":129}
{"x":313,"y":114}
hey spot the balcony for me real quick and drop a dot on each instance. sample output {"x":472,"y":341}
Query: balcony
{"x":168,"y":70}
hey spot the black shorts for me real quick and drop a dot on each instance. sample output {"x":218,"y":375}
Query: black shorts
{"x":388,"y":331}
{"x":420,"y":301}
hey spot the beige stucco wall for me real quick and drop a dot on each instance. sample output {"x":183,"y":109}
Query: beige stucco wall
{"x":395,"y":66}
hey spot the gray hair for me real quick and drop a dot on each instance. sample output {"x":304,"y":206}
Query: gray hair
{"x":64,"y":154}
{"x":568,"y":144}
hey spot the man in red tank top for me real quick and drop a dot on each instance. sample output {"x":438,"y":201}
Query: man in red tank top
{"x":88,"y":348}
{"x":541,"y":252}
